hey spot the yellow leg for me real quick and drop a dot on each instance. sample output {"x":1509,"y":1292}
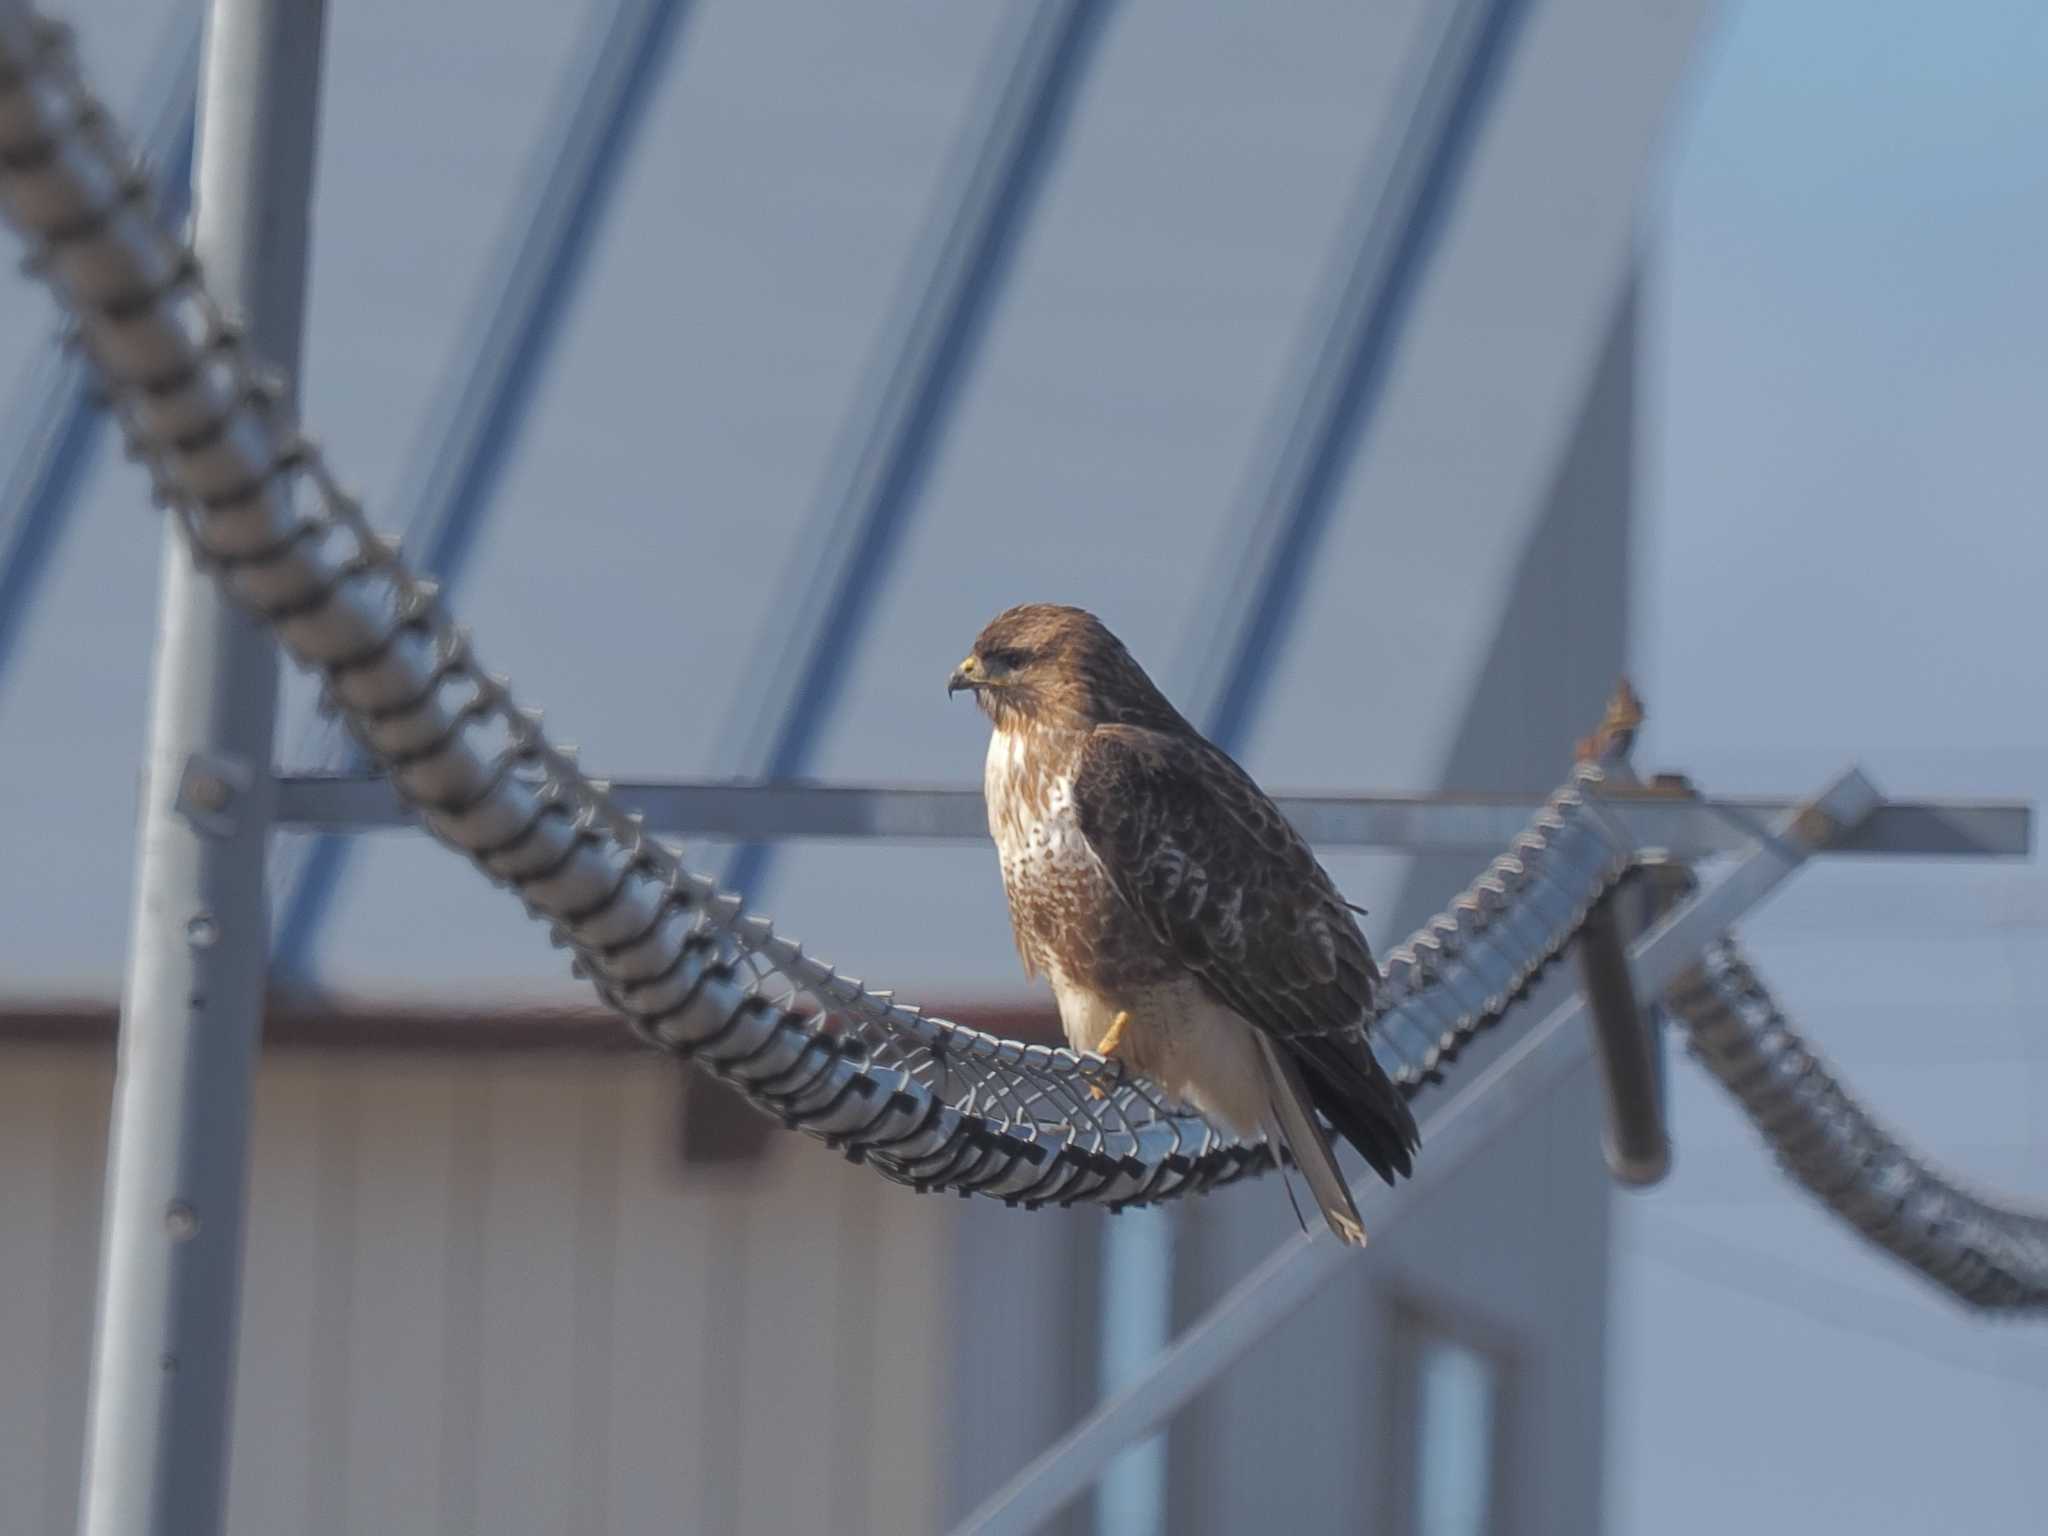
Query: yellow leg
{"x":1111,"y":1039}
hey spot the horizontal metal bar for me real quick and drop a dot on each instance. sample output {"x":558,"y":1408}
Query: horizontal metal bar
{"x":1481,"y":824}
{"x":1521,"y":1077}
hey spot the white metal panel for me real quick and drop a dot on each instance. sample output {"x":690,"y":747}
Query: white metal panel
{"x":660,"y":1452}
{"x":787,"y":1400}
{"x":1456,"y":465}
{"x":402,"y":228}
{"x":486,"y":1296}
{"x":1103,"y":440}
{"x":682,"y":427}
{"x":407,"y":224}
{"x":401,"y":1260}
{"x":489,"y":1295}
{"x":71,"y":714}
{"x":906,"y":1456}
{"x":272,"y":1458}
{"x":526,"y":1301}
{"x":1020,"y":1369}
{"x":1156,"y":298}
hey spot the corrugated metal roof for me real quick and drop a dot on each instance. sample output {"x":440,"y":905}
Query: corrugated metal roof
{"x":683,"y":426}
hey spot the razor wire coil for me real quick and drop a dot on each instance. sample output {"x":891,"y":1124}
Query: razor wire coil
{"x":926,"y":1101}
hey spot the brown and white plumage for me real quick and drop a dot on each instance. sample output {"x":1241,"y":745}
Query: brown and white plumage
{"x":1148,"y":876}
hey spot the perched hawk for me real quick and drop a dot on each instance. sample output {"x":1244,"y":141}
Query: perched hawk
{"x":1184,"y":925}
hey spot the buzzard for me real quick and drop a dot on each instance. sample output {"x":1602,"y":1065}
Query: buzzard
{"x":1186,"y":928}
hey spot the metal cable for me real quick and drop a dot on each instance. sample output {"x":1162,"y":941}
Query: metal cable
{"x":929,"y":1102}
{"x":1991,"y":1256}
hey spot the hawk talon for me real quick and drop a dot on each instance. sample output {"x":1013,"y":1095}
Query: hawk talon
{"x":1123,"y":1075}
{"x":1113,"y":1036}
{"x":1106,"y":1049}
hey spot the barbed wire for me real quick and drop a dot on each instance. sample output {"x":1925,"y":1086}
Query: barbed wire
{"x":931,"y":1102}
{"x":1992,"y":1255}
{"x":928,"y":1102}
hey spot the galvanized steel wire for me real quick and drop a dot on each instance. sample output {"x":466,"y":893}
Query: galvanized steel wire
{"x":932,"y":1103}
{"x":925,"y":1101}
{"x":1990,"y":1254}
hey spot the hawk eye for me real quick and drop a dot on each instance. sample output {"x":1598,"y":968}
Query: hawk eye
{"x":1010,"y":659}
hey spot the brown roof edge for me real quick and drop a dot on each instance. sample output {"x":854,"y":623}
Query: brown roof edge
{"x":385,"y":1026}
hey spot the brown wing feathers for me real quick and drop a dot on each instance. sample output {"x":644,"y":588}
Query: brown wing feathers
{"x":1213,"y":868}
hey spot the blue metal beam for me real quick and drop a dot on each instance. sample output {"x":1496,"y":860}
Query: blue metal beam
{"x":906,"y":396}
{"x":53,"y":425}
{"x":485,"y":397}
{"x":1343,"y":362}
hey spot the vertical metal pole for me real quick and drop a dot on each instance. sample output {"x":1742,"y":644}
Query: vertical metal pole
{"x":163,"y":1348}
{"x":1630,"y":1050}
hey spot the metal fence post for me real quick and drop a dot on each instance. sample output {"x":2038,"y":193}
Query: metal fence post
{"x":163,"y":1348}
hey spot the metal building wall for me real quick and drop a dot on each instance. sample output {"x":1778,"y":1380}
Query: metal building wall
{"x":475,"y":1290}
{"x":478,"y":1291}
{"x":486,"y":1294}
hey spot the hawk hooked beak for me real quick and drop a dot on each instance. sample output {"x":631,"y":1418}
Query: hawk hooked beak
{"x":967,"y":675}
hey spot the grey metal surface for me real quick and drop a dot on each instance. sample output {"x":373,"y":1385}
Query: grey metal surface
{"x":164,"y":1339}
{"x":911,"y":387}
{"x":1426,"y":823}
{"x":1636,"y":1139}
{"x":1988,"y":1254}
{"x":475,"y":421}
{"x":1345,"y":353}
{"x":1628,"y":1038}
{"x":930,"y":1103}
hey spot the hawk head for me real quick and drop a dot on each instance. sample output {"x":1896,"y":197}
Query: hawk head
{"x":1044,"y":664}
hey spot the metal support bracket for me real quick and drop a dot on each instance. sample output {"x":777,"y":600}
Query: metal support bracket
{"x":1630,"y":1051}
{"x":210,"y":789}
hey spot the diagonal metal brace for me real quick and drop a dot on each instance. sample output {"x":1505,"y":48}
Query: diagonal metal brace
{"x":1661,"y":955}
{"x":1451,"y":1137}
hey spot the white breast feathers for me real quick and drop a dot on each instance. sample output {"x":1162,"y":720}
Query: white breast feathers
{"x":1050,"y":874}
{"x":1030,"y":810}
